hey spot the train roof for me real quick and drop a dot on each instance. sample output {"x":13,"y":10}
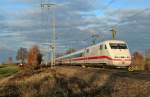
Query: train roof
{"x":74,"y":53}
{"x":107,"y":41}
{"x":116,"y":41}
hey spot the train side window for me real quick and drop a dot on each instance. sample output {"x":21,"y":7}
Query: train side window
{"x":105,"y":47}
{"x":101,"y":47}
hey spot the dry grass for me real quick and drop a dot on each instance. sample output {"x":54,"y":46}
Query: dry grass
{"x":75,"y":82}
{"x":27,"y":85}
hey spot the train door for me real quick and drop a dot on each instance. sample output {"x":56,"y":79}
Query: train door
{"x":103,"y":53}
{"x":87,"y":54}
{"x":84,"y":55}
{"x":100,"y":51}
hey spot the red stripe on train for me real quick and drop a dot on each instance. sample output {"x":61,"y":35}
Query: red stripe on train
{"x":98,"y":57}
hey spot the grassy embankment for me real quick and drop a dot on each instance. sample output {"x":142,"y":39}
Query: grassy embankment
{"x":76,"y":82}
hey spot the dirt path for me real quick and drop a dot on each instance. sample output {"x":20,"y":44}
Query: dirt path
{"x":5,"y":79}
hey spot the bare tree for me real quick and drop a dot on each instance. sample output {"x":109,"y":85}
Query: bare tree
{"x":34,"y":56}
{"x":22,"y":55}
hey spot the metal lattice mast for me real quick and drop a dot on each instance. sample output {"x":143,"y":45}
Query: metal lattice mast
{"x":52,"y":46}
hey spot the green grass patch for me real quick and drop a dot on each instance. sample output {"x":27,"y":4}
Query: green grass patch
{"x":7,"y":70}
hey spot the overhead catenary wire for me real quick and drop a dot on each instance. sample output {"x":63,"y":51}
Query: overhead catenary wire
{"x":109,"y":4}
{"x":102,"y":10}
{"x":105,"y":6}
{"x":134,"y":15}
{"x":112,"y":1}
{"x":131,"y":16}
{"x":128,"y":17}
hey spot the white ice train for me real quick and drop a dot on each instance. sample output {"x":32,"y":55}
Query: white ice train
{"x":106,"y":53}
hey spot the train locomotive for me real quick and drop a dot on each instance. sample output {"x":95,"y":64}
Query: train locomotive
{"x":107,"y":53}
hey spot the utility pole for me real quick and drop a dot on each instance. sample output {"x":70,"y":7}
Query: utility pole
{"x":54,"y":38}
{"x":53,"y":44}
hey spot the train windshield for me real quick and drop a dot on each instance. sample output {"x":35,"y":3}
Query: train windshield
{"x":118,"y":45}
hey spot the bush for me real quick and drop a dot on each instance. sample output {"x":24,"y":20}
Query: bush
{"x":138,"y":61}
{"x":147,"y":64}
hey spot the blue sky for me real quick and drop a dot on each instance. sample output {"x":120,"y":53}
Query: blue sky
{"x":24,"y":24}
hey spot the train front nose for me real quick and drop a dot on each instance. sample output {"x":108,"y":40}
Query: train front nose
{"x":121,"y":62}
